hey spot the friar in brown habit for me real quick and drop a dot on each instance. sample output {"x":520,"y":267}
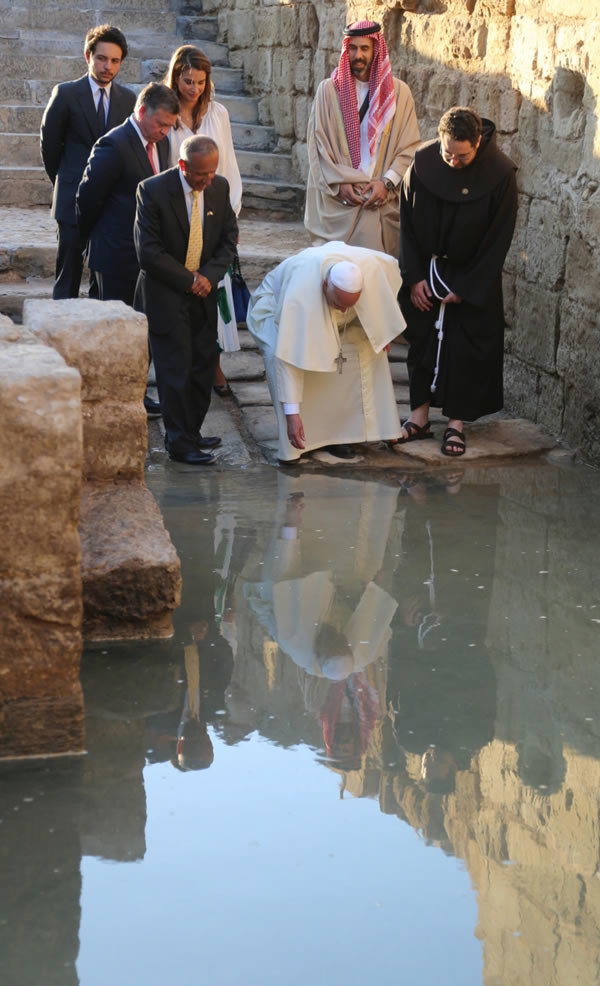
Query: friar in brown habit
{"x":457,"y":217}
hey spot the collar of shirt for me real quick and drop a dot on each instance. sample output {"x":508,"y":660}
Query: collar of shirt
{"x":95,"y":88}
{"x":136,"y":127}
{"x":188,"y":193}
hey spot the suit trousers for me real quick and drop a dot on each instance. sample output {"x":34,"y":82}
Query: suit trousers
{"x":184,"y":362}
{"x":69,"y":263}
{"x":115,"y":288}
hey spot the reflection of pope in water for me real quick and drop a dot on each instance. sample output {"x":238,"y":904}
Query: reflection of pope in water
{"x":321,"y":598}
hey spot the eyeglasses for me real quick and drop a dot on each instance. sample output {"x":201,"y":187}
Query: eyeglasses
{"x":464,"y":158}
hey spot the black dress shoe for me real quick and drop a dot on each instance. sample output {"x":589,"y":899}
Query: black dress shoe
{"x":340,"y":451}
{"x":194,"y":457}
{"x":152,"y":407}
{"x":211,"y":441}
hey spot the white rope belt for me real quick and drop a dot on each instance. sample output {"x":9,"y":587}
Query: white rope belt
{"x":433,"y":277}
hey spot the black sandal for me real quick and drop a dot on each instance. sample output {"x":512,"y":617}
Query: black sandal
{"x":414,"y":433}
{"x":453,"y":438}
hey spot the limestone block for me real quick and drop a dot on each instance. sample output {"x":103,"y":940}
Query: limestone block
{"x":545,"y":244}
{"x":130,"y":570}
{"x":442,"y":93}
{"x":300,"y":159}
{"x":261,"y":422}
{"x":41,"y":707}
{"x":551,"y":402}
{"x":302,"y":107}
{"x":284,"y":66}
{"x":240,"y":29}
{"x":534,"y":331}
{"x":303,"y":77}
{"x":264,"y":68}
{"x":267,"y":27}
{"x":243,"y":365}
{"x":520,"y":387}
{"x":582,"y":260}
{"x":115,"y":440}
{"x":107,"y":342}
{"x":283,"y":113}
{"x":9,"y":331}
{"x":332,"y":21}
{"x":308,"y":27}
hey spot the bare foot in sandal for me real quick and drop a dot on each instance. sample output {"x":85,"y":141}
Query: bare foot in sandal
{"x":454,"y":442}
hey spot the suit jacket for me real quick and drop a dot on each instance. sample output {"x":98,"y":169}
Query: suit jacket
{"x":106,"y":199}
{"x":161,"y":235}
{"x":68,"y":133}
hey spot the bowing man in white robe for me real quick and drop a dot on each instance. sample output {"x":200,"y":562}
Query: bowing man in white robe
{"x":323,"y":319}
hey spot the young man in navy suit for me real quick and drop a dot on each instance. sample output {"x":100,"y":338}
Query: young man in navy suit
{"x":177,"y":287}
{"x":77,"y":114}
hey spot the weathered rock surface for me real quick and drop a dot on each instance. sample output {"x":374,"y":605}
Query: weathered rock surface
{"x":130,"y":569}
{"x":485,"y":440}
{"x":41,"y":705}
{"x":107,"y":342}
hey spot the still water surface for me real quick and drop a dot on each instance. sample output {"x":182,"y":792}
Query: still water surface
{"x":370,"y":753}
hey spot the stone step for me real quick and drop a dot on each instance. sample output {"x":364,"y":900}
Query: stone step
{"x":194,"y":26}
{"x":20,"y":119}
{"x":243,"y":112}
{"x":279,"y":199}
{"x":24,"y":148}
{"x":24,"y":186}
{"x":28,"y":247}
{"x":248,"y":136}
{"x":20,"y":149}
{"x":36,"y":92}
{"x":133,"y":19}
{"x":241,"y":109}
{"x":259,"y":164}
{"x":26,"y":66}
{"x":152,"y":46}
{"x":14,"y":293}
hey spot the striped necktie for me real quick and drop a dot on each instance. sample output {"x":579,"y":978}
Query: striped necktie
{"x":194,"y":248}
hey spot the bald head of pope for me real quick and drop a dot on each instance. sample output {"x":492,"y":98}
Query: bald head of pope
{"x":343,"y":285}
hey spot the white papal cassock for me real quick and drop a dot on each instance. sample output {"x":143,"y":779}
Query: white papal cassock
{"x":301,"y":335}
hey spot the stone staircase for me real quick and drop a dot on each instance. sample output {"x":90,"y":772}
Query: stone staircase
{"x":41,"y":44}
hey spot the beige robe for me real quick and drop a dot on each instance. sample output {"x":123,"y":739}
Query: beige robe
{"x":330,"y":166}
{"x":300,"y":338}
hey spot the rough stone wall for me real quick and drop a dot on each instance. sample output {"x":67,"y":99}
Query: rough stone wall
{"x":533,"y":67}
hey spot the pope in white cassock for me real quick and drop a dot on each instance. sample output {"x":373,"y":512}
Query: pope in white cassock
{"x":323,"y":319}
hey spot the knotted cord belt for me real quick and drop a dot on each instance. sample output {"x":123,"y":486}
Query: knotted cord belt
{"x":433,"y":277}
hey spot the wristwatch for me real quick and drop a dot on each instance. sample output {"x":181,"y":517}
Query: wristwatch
{"x":389,"y":184}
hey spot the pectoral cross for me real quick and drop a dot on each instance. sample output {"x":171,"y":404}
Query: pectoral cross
{"x":340,"y":360}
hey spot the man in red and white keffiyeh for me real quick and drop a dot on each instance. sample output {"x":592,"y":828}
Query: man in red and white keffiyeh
{"x":362,"y":136}
{"x":364,"y":75}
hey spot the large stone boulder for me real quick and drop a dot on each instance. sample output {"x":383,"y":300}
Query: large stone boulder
{"x":131,"y":571}
{"x":108,"y":343}
{"x":41,"y":450}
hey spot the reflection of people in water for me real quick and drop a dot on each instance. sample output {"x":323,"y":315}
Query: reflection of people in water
{"x":319,"y":596}
{"x":185,"y":740}
{"x":441,"y":690}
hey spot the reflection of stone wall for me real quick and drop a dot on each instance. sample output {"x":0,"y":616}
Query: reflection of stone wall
{"x":533,"y":67}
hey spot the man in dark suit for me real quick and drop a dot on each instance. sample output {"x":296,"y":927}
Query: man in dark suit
{"x":77,"y":114}
{"x":185,"y":236}
{"x":119,"y":161}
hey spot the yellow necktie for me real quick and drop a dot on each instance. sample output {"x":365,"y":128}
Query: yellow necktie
{"x":194,"y":249}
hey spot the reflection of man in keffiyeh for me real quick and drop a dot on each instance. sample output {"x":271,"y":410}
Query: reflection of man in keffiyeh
{"x":362,"y":136}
